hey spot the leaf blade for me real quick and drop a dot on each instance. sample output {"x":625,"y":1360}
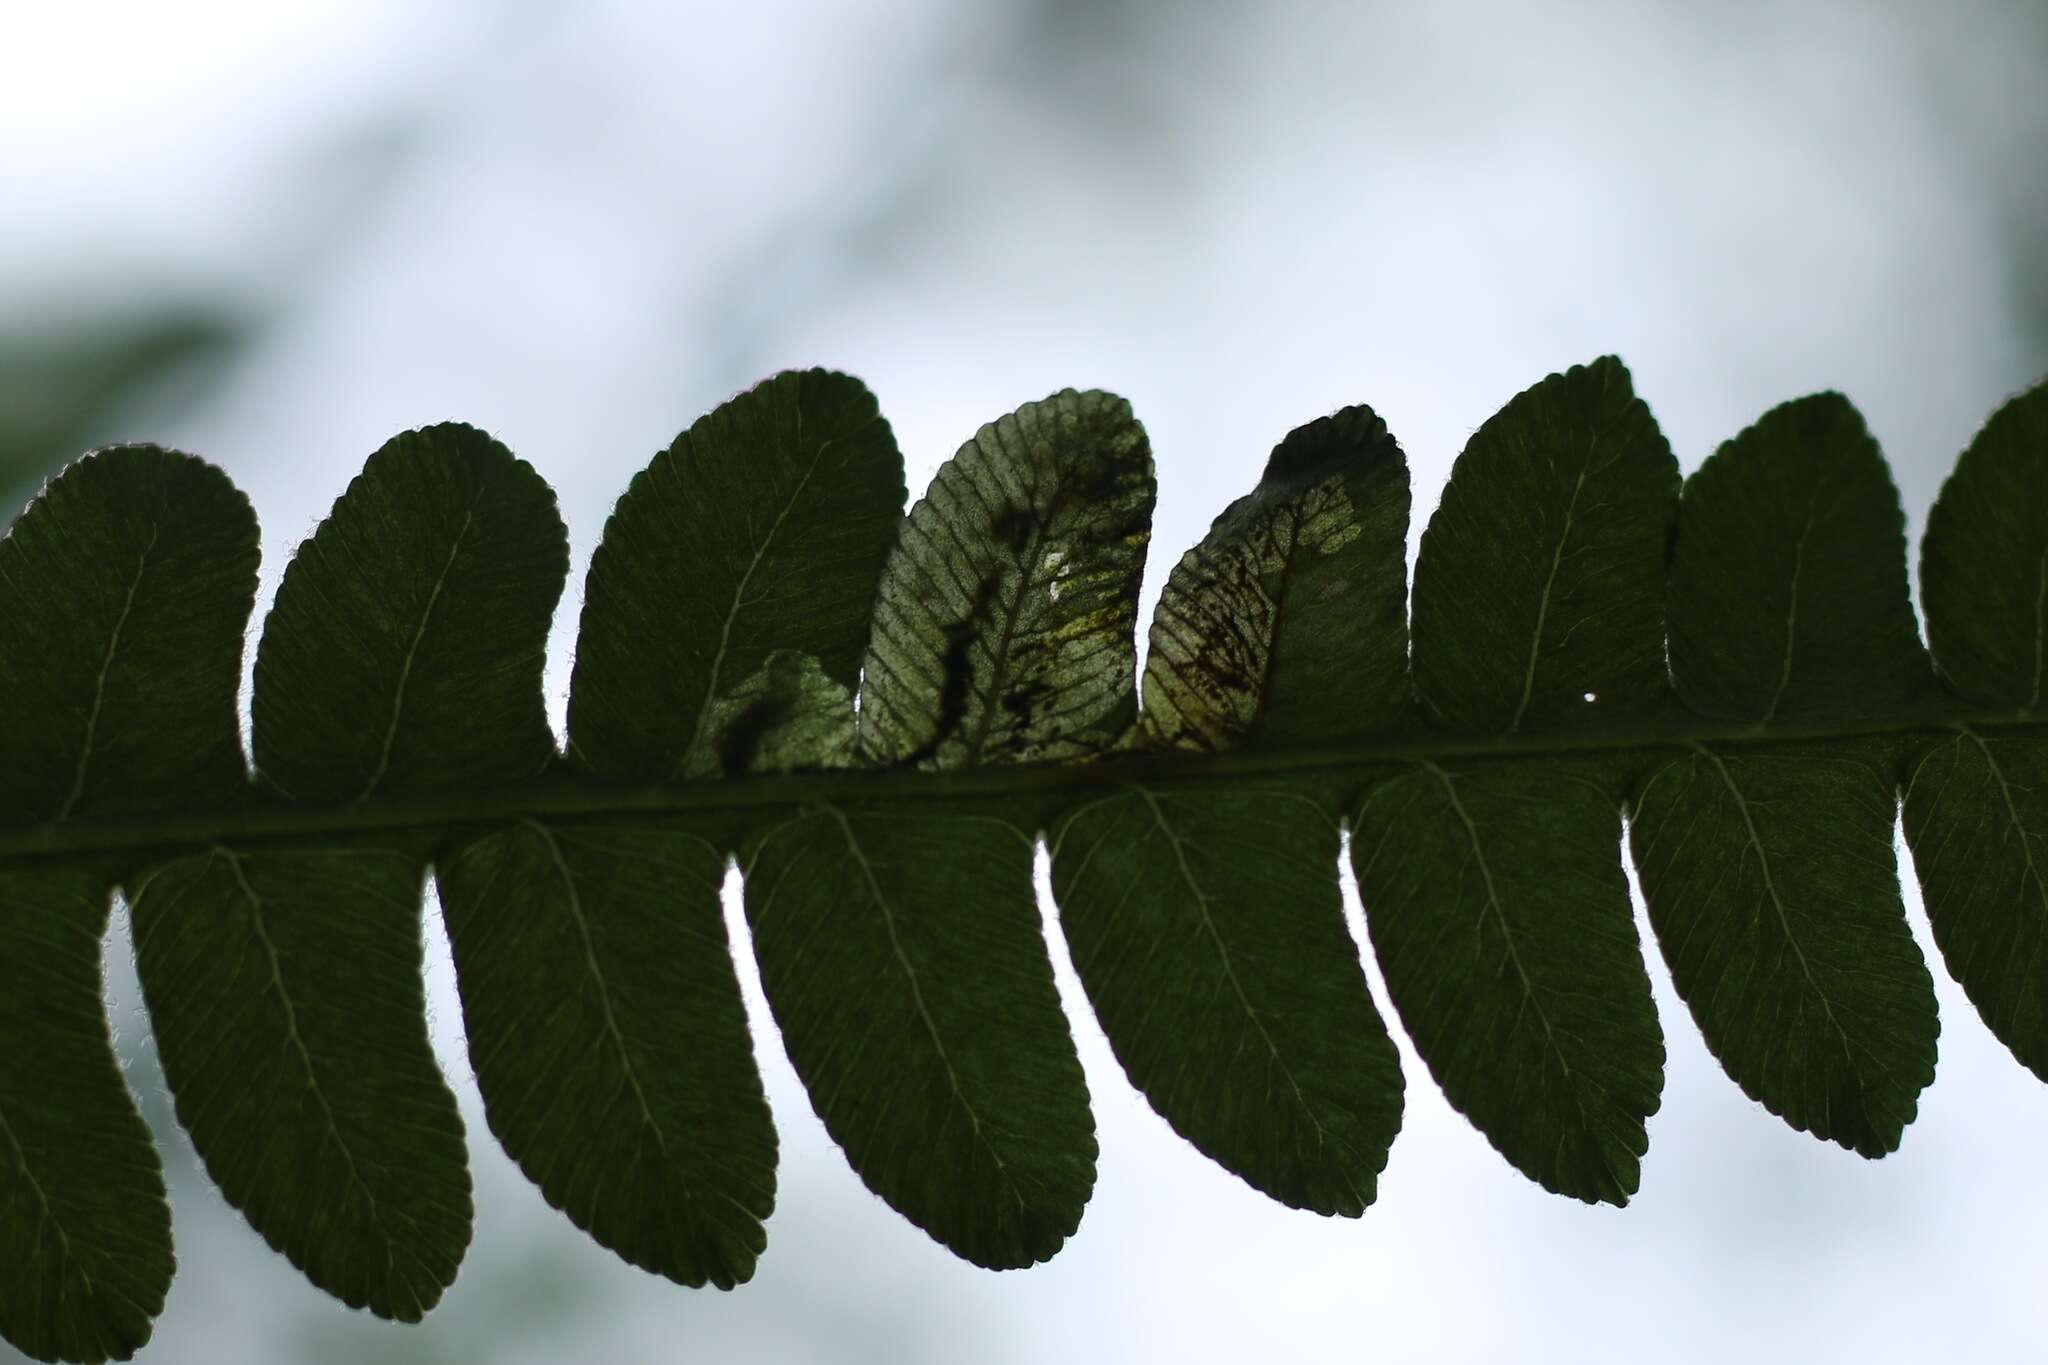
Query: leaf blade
{"x":1217,"y":959}
{"x":763,"y":528}
{"x":902,"y":957}
{"x":1288,"y":624}
{"x":1540,"y":582}
{"x":290,"y":1015}
{"x":609,"y":1040}
{"x":1788,"y":596}
{"x":85,"y":1226}
{"x":124,"y":591}
{"x":1797,"y":964}
{"x":1976,"y":821}
{"x":1984,"y":561}
{"x":1003,"y":630}
{"x":1536,"y":1020}
{"x":404,"y":652}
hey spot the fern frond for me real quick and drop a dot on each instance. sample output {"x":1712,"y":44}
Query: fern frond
{"x":878,"y":715}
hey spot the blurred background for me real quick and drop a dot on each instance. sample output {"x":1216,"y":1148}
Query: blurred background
{"x":277,"y":234}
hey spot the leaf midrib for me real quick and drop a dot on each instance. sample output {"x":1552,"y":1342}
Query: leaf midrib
{"x":2012,"y":810}
{"x":46,"y":1214}
{"x":1543,"y":601}
{"x":999,"y":657}
{"x":412,"y":651}
{"x":1792,"y":612}
{"x":99,"y":684}
{"x":2012,"y":813}
{"x":258,"y":818}
{"x":73,"y":1262}
{"x":1283,"y":590}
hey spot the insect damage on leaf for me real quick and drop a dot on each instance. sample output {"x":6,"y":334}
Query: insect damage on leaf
{"x":1003,"y":628}
{"x":787,"y":716}
{"x":1309,"y":567}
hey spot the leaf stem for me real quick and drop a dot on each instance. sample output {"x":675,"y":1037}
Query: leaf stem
{"x":564,"y":794}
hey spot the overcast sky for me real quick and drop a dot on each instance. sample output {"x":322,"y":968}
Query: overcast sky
{"x":579,"y":226}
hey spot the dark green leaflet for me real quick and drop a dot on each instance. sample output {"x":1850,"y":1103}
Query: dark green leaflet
{"x":1788,"y":591}
{"x":1209,"y":932}
{"x":405,"y":649}
{"x":1984,"y":564}
{"x":609,"y":1040}
{"x":1773,"y":892}
{"x":85,"y":1234}
{"x":123,"y":593}
{"x":762,"y":528}
{"x":285,"y":990}
{"x":879,"y":717}
{"x":1976,"y":807}
{"x":1976,"y":817}
{"x":1539,"y":589}
{"x":901,"y":954}
{"x":122,"y":596}
{"x":1500,"y":916}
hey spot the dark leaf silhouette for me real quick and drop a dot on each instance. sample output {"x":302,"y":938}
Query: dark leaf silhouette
{"x":1500,"y":916}
{"x":901,"y":954}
